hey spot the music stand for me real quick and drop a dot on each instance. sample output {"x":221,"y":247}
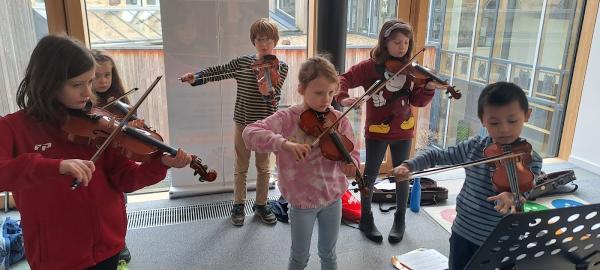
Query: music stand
{"x":565,"y":238}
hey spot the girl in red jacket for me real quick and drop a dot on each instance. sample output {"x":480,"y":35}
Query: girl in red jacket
{"x":389,"y":119}
{"x":63,"y":228}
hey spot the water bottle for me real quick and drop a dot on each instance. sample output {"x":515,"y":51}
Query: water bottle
{"x":415,"y":195}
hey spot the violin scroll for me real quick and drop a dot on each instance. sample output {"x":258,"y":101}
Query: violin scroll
{"x":202,"y":170}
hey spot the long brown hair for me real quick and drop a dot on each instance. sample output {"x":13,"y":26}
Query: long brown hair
{"x":116,"y":88}
{"x":388,"y":31}
{"x":54,"y":60}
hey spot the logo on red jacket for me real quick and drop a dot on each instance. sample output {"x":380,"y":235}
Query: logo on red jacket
{"x":42,"y":147}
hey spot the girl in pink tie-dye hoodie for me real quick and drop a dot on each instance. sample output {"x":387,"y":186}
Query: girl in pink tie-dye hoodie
{"x":312,"y":184}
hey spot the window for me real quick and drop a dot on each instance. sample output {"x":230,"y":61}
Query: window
{"x":517,"y":41}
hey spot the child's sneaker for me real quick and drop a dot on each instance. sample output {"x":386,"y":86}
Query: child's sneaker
{"x":125,"y":254}
{"x":237,"y":215}
{"x":122,"y":265}
{"x":265,"y":213}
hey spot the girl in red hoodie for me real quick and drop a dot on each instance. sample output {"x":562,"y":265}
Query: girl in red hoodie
{"x":63,"y":228}
{"x":389,"y":118}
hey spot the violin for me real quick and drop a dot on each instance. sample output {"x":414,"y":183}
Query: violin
{"x":335,"y":146}
{"x":421,"y":76}
{"x":266,"y":71}
{"x":95,"y":126}
{"x":514,"y":174}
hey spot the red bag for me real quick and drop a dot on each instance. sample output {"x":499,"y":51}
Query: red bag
{"x":350,"y":207}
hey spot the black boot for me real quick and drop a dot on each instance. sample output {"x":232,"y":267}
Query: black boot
{"x":367,"y":224}
{"x":397,"y":231}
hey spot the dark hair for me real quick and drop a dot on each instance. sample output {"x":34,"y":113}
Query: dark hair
{"x":500,"y":94}
{"x":317,"y":66}
{"x":55,"y":59}
{"x":116,"y":86}
{"x":380,"y":53}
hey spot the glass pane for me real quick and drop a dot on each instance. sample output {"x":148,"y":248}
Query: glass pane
{"x":435,"y":21}
{"x":498,"y":72}
{"x":292,"y":45}
{"x":365,"y":18}
{"x":486,"y":22}
{"x":463,"y":122}
{"x":479,"y":70}
{"x":437,"y":112}
{"x":521,"y":76}
{"x":460,"y":16}
{"x":446,"y":63}
{"x":461,"y":70}
{"x":537,"y":129}
{"x":517,"y":30}
{"x":547,"y":85}
{"x":557,"y":26}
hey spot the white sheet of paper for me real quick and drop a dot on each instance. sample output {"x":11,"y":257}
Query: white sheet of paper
{"x":386,"y":185}
{"x":424,"y":259}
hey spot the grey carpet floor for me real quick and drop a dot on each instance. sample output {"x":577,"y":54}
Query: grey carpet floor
{"x":216,"y":244}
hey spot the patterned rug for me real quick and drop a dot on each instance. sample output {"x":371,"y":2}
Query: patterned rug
{"x":445,"y":214}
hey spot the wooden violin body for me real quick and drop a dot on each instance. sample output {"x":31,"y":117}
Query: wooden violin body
{"x":141,"y":145}
{"x":512,"y":175}
{"x":333,"y":145}
{"x":267,"y":73}
{"x":421,"y":75}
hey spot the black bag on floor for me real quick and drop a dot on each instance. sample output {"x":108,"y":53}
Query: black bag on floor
{"x":552,"y":184}
{"x":431,"y":194}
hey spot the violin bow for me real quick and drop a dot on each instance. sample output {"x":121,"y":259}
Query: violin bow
{"x":227,"y":73}
{"x":464,"y":165}
{"x":119,"y":98}
{"x":122,"y":123}
{"x":375,"y":87}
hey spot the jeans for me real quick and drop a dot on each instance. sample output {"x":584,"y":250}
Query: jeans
{"x":302,"y":223}
{"x":461,"y":251}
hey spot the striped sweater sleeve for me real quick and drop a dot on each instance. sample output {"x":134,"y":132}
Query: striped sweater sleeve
{"x":218,"y":72}
{"x":434,"y":157}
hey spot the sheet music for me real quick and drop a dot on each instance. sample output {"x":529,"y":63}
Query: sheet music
{"x":424,"y":259}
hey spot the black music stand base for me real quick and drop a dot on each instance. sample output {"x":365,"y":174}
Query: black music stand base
{"x":557,"y":239}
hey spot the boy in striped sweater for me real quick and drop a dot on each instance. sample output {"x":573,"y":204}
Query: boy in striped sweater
{"x":251,"y":104}
{"x":503,"y":109}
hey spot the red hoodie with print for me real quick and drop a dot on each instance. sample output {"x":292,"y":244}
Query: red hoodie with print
{"x":389,"y":116}
{"x":64,"y":228}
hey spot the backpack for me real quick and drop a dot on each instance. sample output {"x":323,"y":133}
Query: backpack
{"x":279,"y":209}
{"x":431,"y":193}
{"x":12,"y":248}
{"x":350,"y":208}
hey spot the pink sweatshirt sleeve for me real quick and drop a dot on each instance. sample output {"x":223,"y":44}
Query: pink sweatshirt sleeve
{"x":265,"y":136}
{"x":345,"y":129}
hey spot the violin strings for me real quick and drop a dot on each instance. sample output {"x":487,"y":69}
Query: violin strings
{"x":512,"y":176}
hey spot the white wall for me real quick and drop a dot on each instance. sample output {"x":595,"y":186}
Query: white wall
{"x":586,"y":143}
